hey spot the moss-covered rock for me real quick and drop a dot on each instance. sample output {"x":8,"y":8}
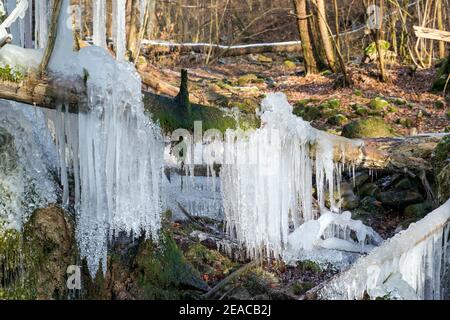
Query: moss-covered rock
{"x":210,"y":263}
{"x":247,"y":78}
{"x":443,"y":184}
{"x":399,"y":198}
{"x":372,"y":127}
{"x":264,"y":59}
{"x":378,"y":104}
{"x":405,"y":122}
{"x":418,"y":210}
{"x":441,"y":155}
{"x":441,"y":76}
{"x":338,"y":120}
{"x":371,"y":205}
{"x":289,"y":65}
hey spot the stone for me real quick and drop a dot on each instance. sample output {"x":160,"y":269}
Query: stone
{"x":246,"y":79}
{"x":338,"y":120}
{"x":399,"y":199}
{"x":368,"y":189}
{"x":378,"y":104}
{"x":372,"y":127}
{"x":290,"y":65}
{"x":418,"y":210}
{"x":371,"y":205}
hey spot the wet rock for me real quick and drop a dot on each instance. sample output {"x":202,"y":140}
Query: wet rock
{"x":399,"y":199}
{"x":417,"y":211}
{"x":372,"y":127}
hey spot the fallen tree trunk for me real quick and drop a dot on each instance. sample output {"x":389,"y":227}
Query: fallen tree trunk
{"x":158,"y":47}
{"x":40,"y":93}
{"x":411,"y":154}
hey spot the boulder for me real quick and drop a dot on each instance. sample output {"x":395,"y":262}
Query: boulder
{"x":399,"y":199}
{"x":372,"y":127}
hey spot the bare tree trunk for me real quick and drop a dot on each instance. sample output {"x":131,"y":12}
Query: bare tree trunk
{"x":302,"y":23}
{"x":440,"y":22}
{"x":324,"y":34}
{"x":378,"y":42}
{"x":134,"y":27}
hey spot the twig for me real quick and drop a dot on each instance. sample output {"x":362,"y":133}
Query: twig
{"x":51,"y":36}
{"x":229,"y":278}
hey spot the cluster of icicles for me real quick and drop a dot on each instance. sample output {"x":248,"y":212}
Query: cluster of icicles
{"x":267,"y":181}
{"x":115,"y":156}
{"x":414,"y":264}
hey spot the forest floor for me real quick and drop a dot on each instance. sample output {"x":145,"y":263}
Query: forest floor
{"x":243,"y":81}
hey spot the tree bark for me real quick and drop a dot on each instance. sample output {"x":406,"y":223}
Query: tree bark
{"x":324,"y":34}
{"x":303,"y":29}
{"x":133,"y":33}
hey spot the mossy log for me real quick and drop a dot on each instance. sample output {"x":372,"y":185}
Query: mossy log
{"x":393,"y":154}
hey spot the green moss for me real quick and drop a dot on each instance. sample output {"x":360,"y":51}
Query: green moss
{"x":405,"y":122}
{"x":372,"y":127}
{"x":247,"y":79}
{"x":338,"y":119}
{"x":357,"y":93}
{"x":330,"y":104}
{"x":371,"y":50}
{"x":417,"y":211}
{"x":378,"y":104}
{"x":299,"y":288}
{"x":309,"y":266}
{"x":210,"y":263}
{"x":290,"y":65}
{"x":7,"y":73}
{"x":442,"y":76}
{"x":441,"y":155}
{"x":171,"y":116}
{"x":162,"y":269}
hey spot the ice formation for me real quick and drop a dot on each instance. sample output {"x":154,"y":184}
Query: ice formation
{"x":15,"y":10}
{"x":26,"y":155}
{"x":113,"y":151}
{"x":414,"y":264}
{"x":119,"y":24}
{"x":333,"y":231}
{"x":267,"y":177}
{"x":99,"y":21}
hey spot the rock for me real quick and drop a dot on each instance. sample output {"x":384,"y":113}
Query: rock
{"x":371,"y":205}
{"x":331,"y":104}
{"x":418,"y":210}
{"x":404,"y":184}
{"x":399,"y":199}
{"x":442,"y":76}
{"x":360,"y":178}
{"x":310,"y":113}
{"x":290,"y":65}
{"x":441,"y":155}
{"x":362,"y":111}
{"x":378,"y":104}
{"x":264,"y":59}
{"x":246,"y":79}
{"x":405,"y":122}
{"x":338,"y":119}
{"x":49,"y":238}
{"x":368,"y":189}
{"x":349,"y":200}
{"x":443,"y":184}
{"x":372,"y":127}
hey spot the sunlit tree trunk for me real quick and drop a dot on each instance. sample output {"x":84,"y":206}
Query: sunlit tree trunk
{"x":302,"y":24}
{"x":324,"y":33}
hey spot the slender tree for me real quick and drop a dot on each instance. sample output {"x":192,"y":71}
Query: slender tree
{"x":324,"y":34}
{"x":303,"y":30}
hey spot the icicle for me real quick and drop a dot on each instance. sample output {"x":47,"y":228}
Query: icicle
{"x":41,"y":23}
{"x":119,"y":31}
{"x":411,"y":265}
{"x":99,"y":22}
{"x":267,"y":181}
